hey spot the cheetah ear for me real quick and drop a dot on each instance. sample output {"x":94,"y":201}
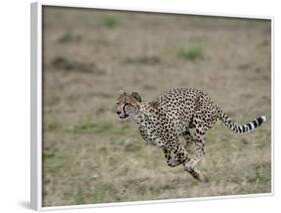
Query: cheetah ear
{"x":122,"y":92}
{"x":136,"y":96}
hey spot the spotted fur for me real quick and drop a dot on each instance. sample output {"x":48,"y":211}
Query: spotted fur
{"x":171,"y":116}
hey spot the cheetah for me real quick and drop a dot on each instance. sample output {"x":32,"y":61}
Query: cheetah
{"x":162,"y":122}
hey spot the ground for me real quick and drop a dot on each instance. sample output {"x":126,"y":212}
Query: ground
{"x":89,"y":156}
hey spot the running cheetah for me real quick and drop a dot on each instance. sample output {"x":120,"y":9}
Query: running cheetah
{"x":172,"y":115}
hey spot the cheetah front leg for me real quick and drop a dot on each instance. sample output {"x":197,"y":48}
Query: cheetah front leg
{"x":189,"y":165}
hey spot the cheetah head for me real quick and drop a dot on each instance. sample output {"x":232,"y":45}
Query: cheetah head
{"x":127,"y":104}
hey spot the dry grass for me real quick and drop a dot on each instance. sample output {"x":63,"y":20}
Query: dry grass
{"x":90,"y":157}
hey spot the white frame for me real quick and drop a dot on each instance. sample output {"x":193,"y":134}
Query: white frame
{"x":36,"y":102}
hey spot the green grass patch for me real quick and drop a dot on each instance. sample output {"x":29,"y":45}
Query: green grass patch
{"x":69,"y":37}
{"x":79,"y":197}
{"x":190,"y":54}
{"x":55,"y":162}
{"x":100,"y":195}
{"x":89,"y":127}
{"x":46,"y":156}
{"x":53,"y":100}
{"x":108,"y":21}
{"x":54,"y":126}
{"x":262,"y":171}
{"x":102,"y":128}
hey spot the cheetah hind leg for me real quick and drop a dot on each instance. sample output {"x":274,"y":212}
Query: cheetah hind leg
{"x":190,"y":163}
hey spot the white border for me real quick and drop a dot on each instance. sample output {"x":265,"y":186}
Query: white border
{"x":36,"y":106}
{"x":36,"y":100}
{"x":132,"y":7}
{"x":84,"y":206}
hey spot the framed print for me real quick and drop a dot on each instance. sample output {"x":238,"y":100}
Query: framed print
{"x":135,"y":106}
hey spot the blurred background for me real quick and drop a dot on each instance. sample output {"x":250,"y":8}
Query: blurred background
{"x":89,"y":156}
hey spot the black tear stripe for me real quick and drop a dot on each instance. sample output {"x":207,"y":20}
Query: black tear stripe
{"x":260,"y":120}
{"x":124,"y":108}
{"x":249,"y":125}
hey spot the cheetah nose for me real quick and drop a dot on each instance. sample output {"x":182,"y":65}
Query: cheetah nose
{"x":118,"y":112}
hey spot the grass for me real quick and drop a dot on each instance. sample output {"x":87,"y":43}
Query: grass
{"x":190,"y":54}
{"x":90,"y":157}
{"x":47,"y":156}
{"x":101,"y":127}
{"x":97,"y":127}
{"x":144,"y":60}
{"x":121,"y":167}
{"x":108,"y":21}
{"x":69,"y":37}
{"x":52,"y":101}
{"x":54,"y":126}
{"x":79,"y":198}
{"x":99,"y":195}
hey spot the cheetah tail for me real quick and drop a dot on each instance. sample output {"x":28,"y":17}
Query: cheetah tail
{"x":248,"y":127}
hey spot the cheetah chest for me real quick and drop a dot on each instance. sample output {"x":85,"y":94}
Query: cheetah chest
{"x":149,"y":134}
